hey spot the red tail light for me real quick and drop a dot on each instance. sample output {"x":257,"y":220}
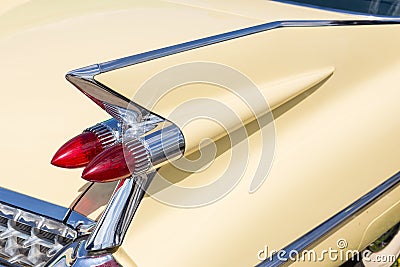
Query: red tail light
{"x":146,"y":144}
{"x":107,"y":166}
{"x":78,"y":151}
{"x":135,"y":156}
{"x":117,"y":162}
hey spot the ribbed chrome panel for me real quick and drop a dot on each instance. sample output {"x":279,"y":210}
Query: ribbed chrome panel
{"x":120,"y":113}
{"x":106,"y":132}
{"x":27,"y":239}
{"x":142,"y":160}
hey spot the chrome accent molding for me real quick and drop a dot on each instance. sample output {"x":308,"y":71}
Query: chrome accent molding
{"x":33,"y":205}
{"x":105,"y":97}
{"x":32,"y":230}
{"x":326,"y":228}
{"x":43,"y":208}
{"x":107,"y":132}
{"x":114,"y":223}
{"x":331,"y":9}
{"x":175,"y":49}
{"x":80,"y":223}
{"x":29,"y":239}
{"x":163,"y":143}
{"x":83,"y":78}
{"x":75,"y":255}
{"x":138,"y":150}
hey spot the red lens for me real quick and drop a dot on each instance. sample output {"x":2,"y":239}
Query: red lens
{"x":78,"y":151}
{"x":109,"y":165}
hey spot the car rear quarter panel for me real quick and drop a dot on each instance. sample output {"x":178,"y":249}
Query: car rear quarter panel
{"x":332,"y":146}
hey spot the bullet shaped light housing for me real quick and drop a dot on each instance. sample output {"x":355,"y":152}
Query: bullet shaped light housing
{"x":81,"y":149}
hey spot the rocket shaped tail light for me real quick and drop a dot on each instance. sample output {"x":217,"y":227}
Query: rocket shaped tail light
{"x":81,"y":149}
{"x":133,"y":142}
{"x":78,"y":151}
{"x":136,"y":155}
{"x":114,"y":150}
{"x":136,"y":142}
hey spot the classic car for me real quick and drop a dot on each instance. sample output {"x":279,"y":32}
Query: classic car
{"x":201,"y":133}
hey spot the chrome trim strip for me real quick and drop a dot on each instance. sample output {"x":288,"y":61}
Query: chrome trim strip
{"x":33,"y":205}
{"x":79,"y":222}
{"x":170,"y":50}
{"x":75,"y":255}
{"x":43,"y":208}
{"x":91,"y":71}
{"x":324,"y":229}
{"x":104,"y":96}
{"x":83,"y":78}
{"x":114,"y":223}
{"x":368,"y":15}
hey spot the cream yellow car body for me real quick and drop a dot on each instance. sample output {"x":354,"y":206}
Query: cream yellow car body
{"x":332,"y":147}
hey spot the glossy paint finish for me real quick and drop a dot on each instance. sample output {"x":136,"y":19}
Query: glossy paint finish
{"x":335,"y":120}
{"x":84,"y":78}
{"x":163,"y":52}
{"x":56,"y":35}
{"x":343,"y":116}
{"x":311,"y":238}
